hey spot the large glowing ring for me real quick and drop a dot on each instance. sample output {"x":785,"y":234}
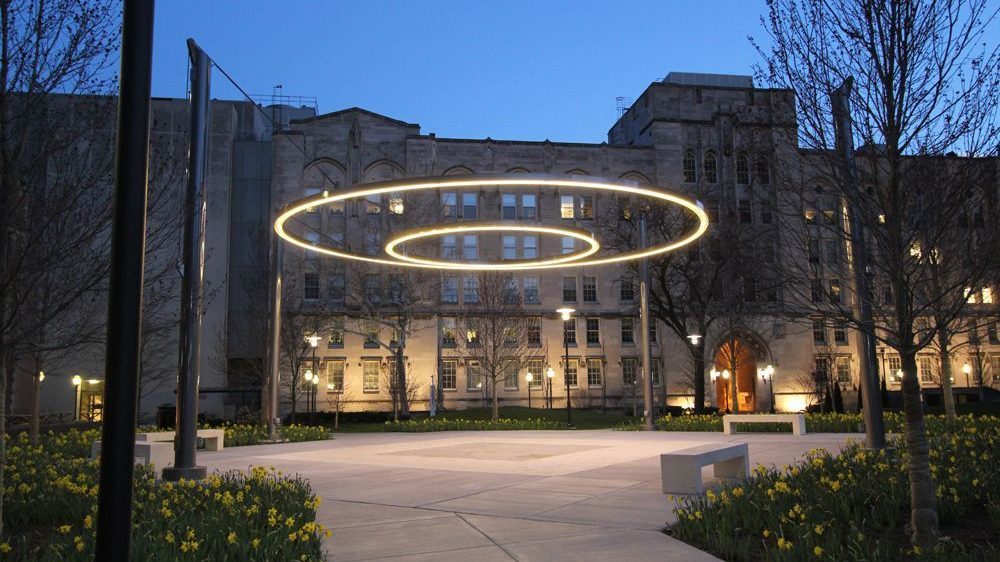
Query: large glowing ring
{"x":505,"y":180}
{"x":457,"y":228}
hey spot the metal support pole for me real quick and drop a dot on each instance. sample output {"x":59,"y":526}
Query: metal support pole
{"x":569,"y":405}
{"x":128,"y":245}
{"x":870,"y":395}
{"x":192,"y":283}
{"x":647,"y":378}
{"x":274,"y":378}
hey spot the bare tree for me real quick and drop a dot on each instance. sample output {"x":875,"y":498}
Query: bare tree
{"x":497,"y":328}
{"x":337,"y":397}
{"x":925,"y":83}
{"x":54,"y":210}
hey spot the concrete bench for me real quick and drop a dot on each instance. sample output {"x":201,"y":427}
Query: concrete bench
{"x":214,"y":438}
{"x":157,"y":454}
{"x":798,"y":421}
{"x":680,"y":471}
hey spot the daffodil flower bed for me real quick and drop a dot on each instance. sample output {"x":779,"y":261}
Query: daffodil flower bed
{"x":855,"y":505}
{"x":240,"y":435}
{"x":51,"y":509}
{"x":442,"y":424}
{"x":815,"y":423}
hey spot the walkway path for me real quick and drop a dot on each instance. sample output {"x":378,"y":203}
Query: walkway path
{"x":502,"y":495}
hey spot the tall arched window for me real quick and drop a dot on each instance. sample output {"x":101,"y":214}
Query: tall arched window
{"x":742,"y":169}
{"x":690,"y":173}
{"x":763,"y":171}
{"x":711,"y":166}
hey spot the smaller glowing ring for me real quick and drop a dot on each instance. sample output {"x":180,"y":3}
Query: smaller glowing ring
{"x":507,"y":180}
{"x":418,"y":233}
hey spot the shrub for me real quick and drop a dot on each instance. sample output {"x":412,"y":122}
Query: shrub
{"x":850,"y":506}
{"x":52,"y":504}
{"x":458,"y":424}
{"x":296,"y":433}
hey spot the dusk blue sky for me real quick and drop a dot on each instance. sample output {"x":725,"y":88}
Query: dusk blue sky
{"x":512,"y":69}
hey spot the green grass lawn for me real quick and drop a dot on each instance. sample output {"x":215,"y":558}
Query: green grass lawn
{"x":582,"y":419}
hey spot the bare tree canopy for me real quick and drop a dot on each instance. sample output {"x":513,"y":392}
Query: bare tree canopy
{"x":923,"y":82}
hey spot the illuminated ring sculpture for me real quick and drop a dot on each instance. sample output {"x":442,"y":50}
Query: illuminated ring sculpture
{"x":512,"y":181}
{"x":460,"y":228}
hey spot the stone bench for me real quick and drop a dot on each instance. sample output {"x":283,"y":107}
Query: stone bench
{"x":151,"y":453}
{"x":214,"y":438}
{"x":680,"y":471}
{"x":798,"y":421}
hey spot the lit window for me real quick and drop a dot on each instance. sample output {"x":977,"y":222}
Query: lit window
{"x":987,"y":295}
{"x":530,"y":247}
{"x":448,"y":332}
{"x":843,"y":369}
{"x":529,"y":208}
{"x":810,"y":216}
{"x":370,"y":329}
{"x":566,"y":208}
{"x":595,"y":372}
{"x":336,"y":339}
{"x":895,"y":367}
{"x":369,"y":375}
{"x":396,"y":204}
{"x":335,"y":375}
{"x":835,"y":291}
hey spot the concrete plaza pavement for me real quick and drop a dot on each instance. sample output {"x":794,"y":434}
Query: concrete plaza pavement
{"x":501,"y":495}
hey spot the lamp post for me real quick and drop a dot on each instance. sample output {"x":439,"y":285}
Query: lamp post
{"x":308,"y":376}
{"x":313,"y":343}
{"x":767,"y":375}
{"x":77,"y":382}
{"x":699,"y":377}
{"x":967,"y":369}
{"x":315,"y":393}
{"x":529,"y":377}
{"x":567,"y":315}
{"x":550,"y":374}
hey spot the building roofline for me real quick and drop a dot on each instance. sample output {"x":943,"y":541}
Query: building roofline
{"x":353,"y":109}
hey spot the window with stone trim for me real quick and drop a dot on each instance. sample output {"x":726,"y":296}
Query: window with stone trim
{"x":842,"y":368}
{"x":449,"y":380}
{"x":690,"y":167}
{"x":310,"y":286}
{"x":595,"y":372}
{"x":593,"y":331}
{"x":533,"y":331}
{"x":369,"y":375}
{"x":335,"y":375}
{"x":742,"y":169}
{"x":569,"y":331}
{"x":590,"y":289}
{"x":569,"y":289}
{"x":628,"y":331}
{"x":711,"y":167}
{"x":531,"y":290}
{"x":570,"y":372}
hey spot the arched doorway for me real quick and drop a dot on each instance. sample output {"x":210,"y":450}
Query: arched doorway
{"x":737,"y":356}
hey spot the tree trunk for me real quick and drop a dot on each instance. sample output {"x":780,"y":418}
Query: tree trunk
{"x":404,"y":398}
{"x":944,"y":354}
{"x":495,"y":399}
{"x":923,"y":515}
{"x":698,"y":358}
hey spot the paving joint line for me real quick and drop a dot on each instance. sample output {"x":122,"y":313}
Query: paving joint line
{"x":489,"y":538}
